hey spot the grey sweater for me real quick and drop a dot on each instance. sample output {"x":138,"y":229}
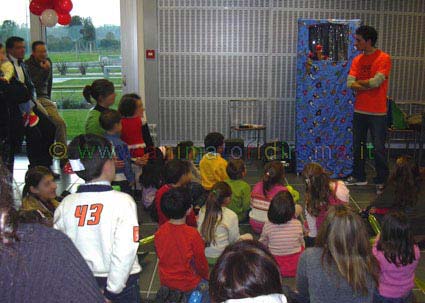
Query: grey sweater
{"x":45,"y":266}
{"x":317,"y":284}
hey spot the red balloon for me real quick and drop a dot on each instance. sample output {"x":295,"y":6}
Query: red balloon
{"x":64,"y":19}
{"x":63,"y":6}
{"x":36,"y":7}
{"x":47,"y":3}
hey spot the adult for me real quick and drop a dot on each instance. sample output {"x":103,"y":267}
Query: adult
{"x":404,"y":191}
{"x":246,"y":272}
{"x":39,"y":193}
{"x":341,"y":267}
{"x":103,"y":92}
{"x":368,"y":77}
{"x":39,"y":138}
{"x":39,"y":264}
{"x":40,"y":69}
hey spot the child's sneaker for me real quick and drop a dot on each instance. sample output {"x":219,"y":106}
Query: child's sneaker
{"x":33,"y":119}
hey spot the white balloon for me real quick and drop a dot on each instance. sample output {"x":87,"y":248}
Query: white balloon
{"x":49,"y":17}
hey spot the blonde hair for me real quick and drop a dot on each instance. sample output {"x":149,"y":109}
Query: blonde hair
{"x":344,"y":240}
{"x":213,"y":212}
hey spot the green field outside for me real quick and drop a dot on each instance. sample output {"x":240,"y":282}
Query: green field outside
{"x":79,"y":57}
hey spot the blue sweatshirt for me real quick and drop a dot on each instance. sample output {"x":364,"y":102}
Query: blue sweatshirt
{"x":122,"y":152}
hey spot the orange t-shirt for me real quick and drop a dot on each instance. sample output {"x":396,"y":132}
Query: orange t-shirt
{"x":365,"y":67}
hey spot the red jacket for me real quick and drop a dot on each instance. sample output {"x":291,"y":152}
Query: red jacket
{"x":181,"y":253}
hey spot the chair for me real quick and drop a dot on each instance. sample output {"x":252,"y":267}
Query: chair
{"x":246,"y":117}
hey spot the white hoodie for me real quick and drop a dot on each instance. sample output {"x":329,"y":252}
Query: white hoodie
{"x":273,"y":298}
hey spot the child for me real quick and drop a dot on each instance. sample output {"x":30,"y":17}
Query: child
{"x":321,"y":191}
{"x":241,"y":191}
{"x":264,"y":191}
{"x":177,"y":174}
{"x":186,"y":151}
{"x":152,"y":177}
{"x":398,"y":258}
{"x":110,"y":120}
{"x":103,"y":92}
{"x":212,"y":165}
{"x":217,"y":224}
{"x":182,"y":263}
{"x":341,"y":267}
{"x":283,"y":234}
{"x":102,"y":222}
{"x":246,"y":272}
{"x":6,"y":74}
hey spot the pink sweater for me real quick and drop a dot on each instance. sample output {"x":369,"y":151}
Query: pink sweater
{"x":395,"y":282}
{"x":260,"y":204}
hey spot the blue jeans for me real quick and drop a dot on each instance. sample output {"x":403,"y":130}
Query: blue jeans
{"x":203,"y":289}
{"x":130,"y":293}
{"x":377,"y":298}
{"x":378,"y":130}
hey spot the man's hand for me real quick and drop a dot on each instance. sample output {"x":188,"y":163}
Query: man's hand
{"x":45,"y":64}
{"x":357,"y":86}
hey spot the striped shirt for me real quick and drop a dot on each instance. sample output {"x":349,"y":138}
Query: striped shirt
{"x":283,"y":239}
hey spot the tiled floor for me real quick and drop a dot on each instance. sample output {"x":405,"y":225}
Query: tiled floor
{"x":149,"y":284}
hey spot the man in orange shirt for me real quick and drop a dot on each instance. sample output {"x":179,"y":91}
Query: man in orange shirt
{"x":368,"y":77}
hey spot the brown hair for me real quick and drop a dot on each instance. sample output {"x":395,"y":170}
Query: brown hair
{"x":235,"y":169}
{"x":213,"y":212}
{"x":407,"y":181}
{"x":274,"y":173}
{"x":245,"y":269}
{"x":109,"y":118}
{"x":99,"y":88}
{"x":282,"y":208}
{"x":317,"y":188}
{"x":345,"y":244}
{"x":33,"y":177}
{"x":128,"y":104}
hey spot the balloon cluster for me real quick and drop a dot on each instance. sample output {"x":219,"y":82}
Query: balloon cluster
{"x":52,"y":11}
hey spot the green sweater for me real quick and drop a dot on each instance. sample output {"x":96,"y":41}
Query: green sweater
{"x":92,"y":125}
{"x":241,"y":197}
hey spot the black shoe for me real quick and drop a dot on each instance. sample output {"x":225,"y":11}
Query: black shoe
{"x":354,"y":181}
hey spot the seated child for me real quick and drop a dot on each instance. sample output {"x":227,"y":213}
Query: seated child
{"x":283,"y":234}
{"x":177,"y":174}
{"x":241,"y":191}
{"x":212,"y":165}
{"x":246,"y":272}
{"x":110,"y":120}
{"x":152,"y":177}
{"x":218,"y":225}
{"x":264,"y":191}
{"x":186,"y":151}
{"x":102,"y":223}
{"x":6,"y":74}
{"x":182,"y":263}
{"x":398,"y":258}
{"x":321,"y":192}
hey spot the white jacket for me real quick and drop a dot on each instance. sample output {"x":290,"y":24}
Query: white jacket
{"x":273,"y":298}
{"x":103,"y":226}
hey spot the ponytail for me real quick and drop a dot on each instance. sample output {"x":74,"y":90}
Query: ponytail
{"x":274,"y":173}
{"x":99,"y":88}
{"x":213,"y":212}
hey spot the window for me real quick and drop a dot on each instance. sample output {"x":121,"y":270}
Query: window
{"x":86,"y":50}
{"x":15,"y":20}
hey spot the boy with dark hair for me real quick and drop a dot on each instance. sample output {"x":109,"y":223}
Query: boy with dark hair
{"x":183,"y":266}
{"x":212,"y":165}
{"x":110,"y":120}
{"x":368,"y":77}
{"x":241,"y":191}
{"x":177,"y":174}
{"x":101,"y":222}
